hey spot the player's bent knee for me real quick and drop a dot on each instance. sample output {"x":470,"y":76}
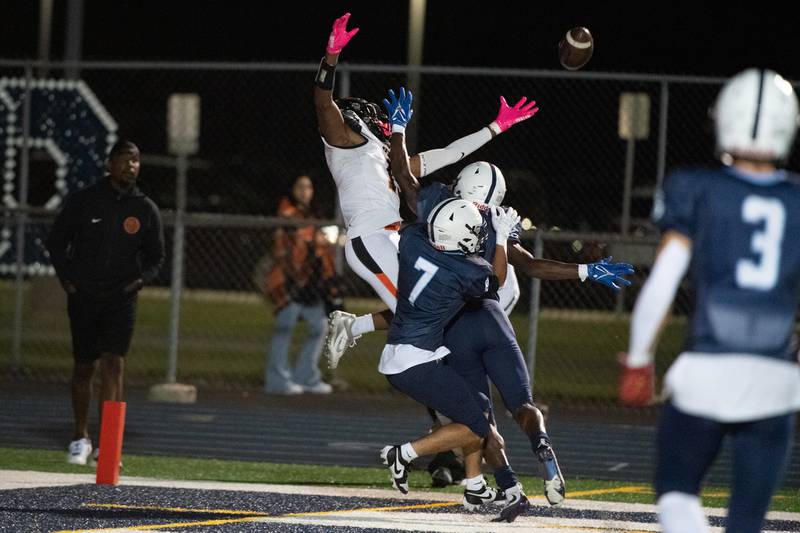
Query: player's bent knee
{"x":474,"y":443}
{"x":496,"y":439}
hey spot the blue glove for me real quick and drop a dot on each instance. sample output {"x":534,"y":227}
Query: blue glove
{"x":608,"y":273}
{"x":399,"y":110}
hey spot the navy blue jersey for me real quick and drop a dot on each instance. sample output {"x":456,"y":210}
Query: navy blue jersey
{"x":432,"y":287}
{"x":429,"y":196}
{"x":746,"y":261}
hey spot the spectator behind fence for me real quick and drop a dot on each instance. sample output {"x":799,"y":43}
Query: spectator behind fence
{"x":105,"y":245}
{"x":300,"y":284}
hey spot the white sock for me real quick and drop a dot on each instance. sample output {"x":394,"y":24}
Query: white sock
{"x":362,"y":324}
{"x":475,"y":483}
{"x":679,"y":512}
{"x":407,"y":452}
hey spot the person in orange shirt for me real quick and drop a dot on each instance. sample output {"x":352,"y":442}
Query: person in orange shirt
{"x":299,"y":285}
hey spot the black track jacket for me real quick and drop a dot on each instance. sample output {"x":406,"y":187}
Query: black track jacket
{"x":103,"y":239}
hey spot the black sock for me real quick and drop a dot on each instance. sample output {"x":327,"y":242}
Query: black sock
{"x":505,"y":477}
{"x":538,"y":440}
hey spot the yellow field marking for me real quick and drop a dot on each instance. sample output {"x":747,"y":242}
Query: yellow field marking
{"x":219,"y":522}
{"x":622,"y":490}
{"x":373,"y":509}
{"x":251,"y":516}
{"x":173,"y":509}
{"x":631,"y":489}
{"x":255,"y":515}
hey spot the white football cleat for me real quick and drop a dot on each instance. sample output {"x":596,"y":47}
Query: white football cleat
{"x":340,"y":336}
{"x":554,"y":487}
{"x":79,"y":451}
{"x":486,"y":495}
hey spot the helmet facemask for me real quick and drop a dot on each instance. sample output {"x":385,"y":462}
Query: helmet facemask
{"x":370,"y":113}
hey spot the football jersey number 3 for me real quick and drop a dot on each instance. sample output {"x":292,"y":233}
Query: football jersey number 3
{"x":428,"y":270}
{"x":762,"y":274}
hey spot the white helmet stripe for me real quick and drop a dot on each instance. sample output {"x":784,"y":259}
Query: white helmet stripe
{"x":493,"y":185}
{"x":759,"y":100}
{"x":435,"y":214}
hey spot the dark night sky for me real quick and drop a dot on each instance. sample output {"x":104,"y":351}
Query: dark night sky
{"x":679,"y":37}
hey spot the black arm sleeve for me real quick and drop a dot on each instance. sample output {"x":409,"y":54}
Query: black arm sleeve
{"x":61,"y":235}
{"x":153,"y":249}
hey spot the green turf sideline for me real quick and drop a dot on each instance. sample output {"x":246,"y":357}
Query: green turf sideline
{"x":224,"y":336}
{"x":181,"y":468}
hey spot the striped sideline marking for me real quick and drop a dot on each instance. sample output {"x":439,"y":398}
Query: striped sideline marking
{"x":389,"y":518}
{"x":386,"y":518}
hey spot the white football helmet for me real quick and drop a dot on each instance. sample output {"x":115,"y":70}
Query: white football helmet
{"x":756,"y":116}
{"x":481,"y":182}
{"x":456,"y":225}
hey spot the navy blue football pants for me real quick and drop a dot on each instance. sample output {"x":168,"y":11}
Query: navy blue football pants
{"x":687,"y":445}
{"x":482,"y":343}
{"x":438,"y":386}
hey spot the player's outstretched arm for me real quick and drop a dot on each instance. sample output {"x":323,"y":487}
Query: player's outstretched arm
{"x":400,"y":112}
{"x":604,"y":272}
{"x":329,"y":118}
{"x":430,"y":161}
{"x":637,"y":379}
{"x":547,"y":269}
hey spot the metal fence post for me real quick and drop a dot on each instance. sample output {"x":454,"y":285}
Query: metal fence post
{"x":533,"y":314}
{"x":22,"y":218}
{"x":663,"y":122}
{"x":177,"y":268}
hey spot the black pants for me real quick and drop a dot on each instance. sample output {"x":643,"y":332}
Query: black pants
{"x":100,"y":325}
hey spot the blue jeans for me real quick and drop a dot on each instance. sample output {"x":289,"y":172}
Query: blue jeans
{"x":278,"y":376}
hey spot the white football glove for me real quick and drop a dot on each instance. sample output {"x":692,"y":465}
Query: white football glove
{"x":503,"y":222}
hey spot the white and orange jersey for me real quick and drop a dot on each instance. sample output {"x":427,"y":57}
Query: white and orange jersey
{"x":367,"y":195}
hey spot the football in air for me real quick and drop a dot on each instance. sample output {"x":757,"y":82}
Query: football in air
{"x":575,"y":49}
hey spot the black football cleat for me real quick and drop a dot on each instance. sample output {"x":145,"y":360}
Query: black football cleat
{"x":516,"y":504}
{"x":398,"y":467}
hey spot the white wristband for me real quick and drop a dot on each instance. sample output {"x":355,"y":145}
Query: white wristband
{"x":495,"y":127}
{"x":500,"y":239}
{"x":397,"y":128}
{"x":583,"y":272}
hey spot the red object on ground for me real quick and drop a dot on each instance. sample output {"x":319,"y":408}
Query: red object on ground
{"x":112,"y":428}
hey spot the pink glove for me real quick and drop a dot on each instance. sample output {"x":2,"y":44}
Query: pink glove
{"x":508,"y":116}
{"x":339,"y":35}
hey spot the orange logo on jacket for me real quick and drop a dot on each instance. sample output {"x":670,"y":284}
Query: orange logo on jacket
{"x":131,"y":225}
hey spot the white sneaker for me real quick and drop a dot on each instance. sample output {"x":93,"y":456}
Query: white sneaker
{"x":475,"y":499}
{"x":79,"y":451}
{"x":319,"y":388}
{"x":340,"y":336}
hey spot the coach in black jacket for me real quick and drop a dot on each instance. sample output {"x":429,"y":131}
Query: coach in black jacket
{"x":106,"y":244}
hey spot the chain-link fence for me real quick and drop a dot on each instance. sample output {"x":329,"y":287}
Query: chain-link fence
{"x":566,"y":172}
